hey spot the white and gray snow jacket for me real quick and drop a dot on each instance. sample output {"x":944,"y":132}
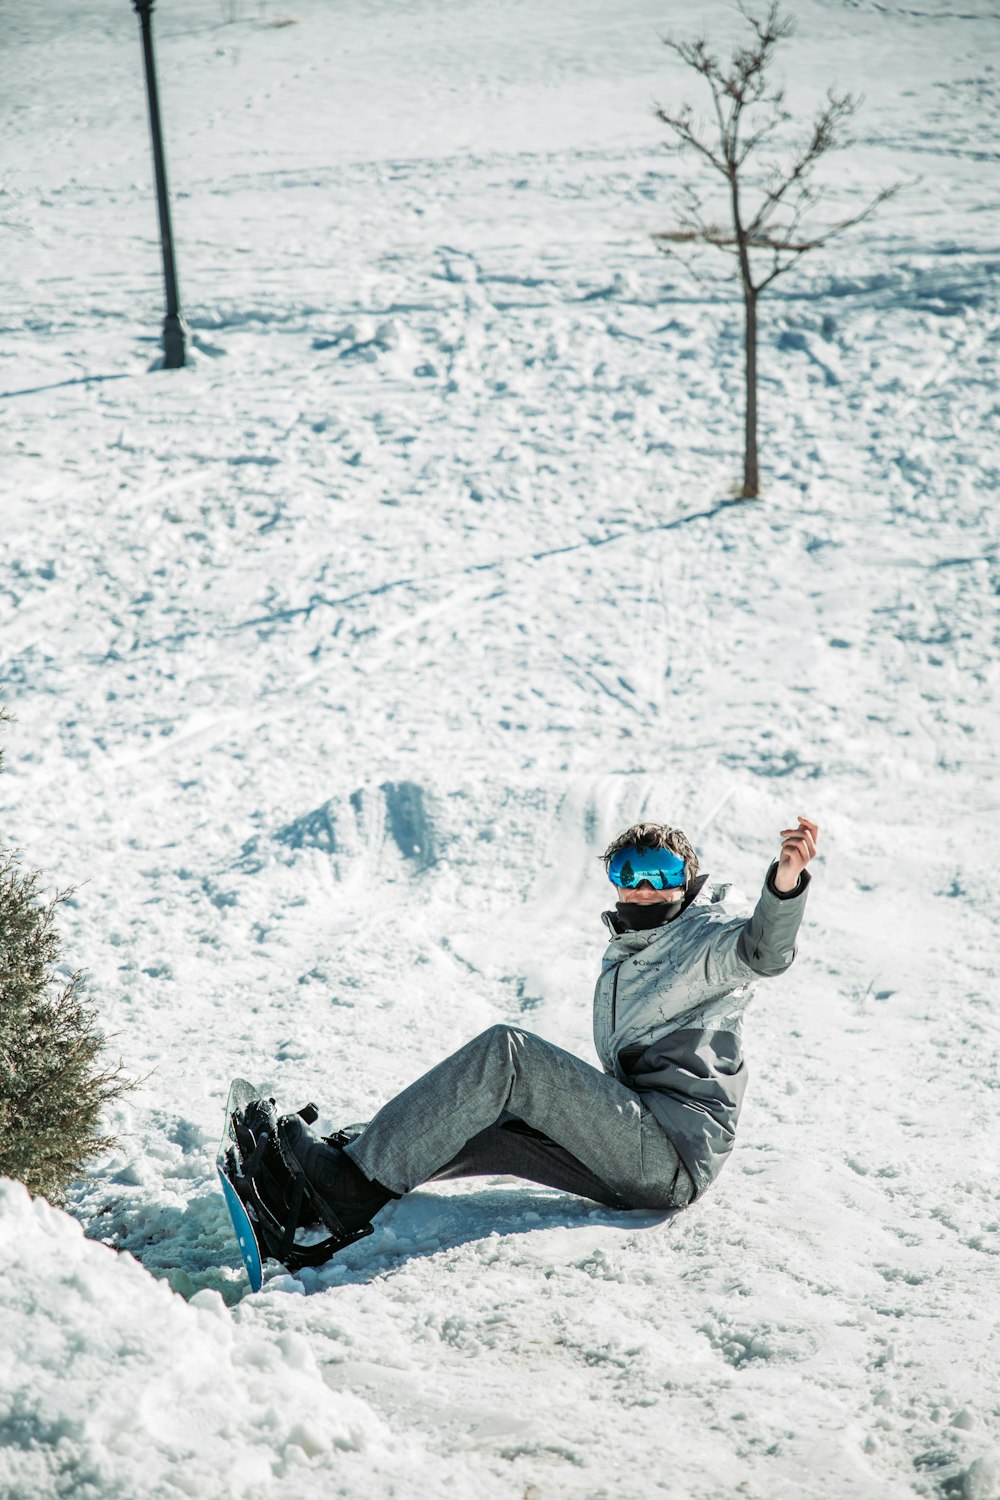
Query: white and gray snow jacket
{"x":668,"y":1011}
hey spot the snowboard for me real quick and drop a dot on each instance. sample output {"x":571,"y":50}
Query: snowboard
{"x":228,"y":1165}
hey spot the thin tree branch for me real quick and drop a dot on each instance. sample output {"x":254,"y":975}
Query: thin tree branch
{"x":693,"y":264}
{"x":681,"y":125}
{"x":818,"y":241}
{"x":840,"y":108}
{"x":778,"y":117}
{"x":691,"y":215}
{"x":711,"y":235}
{"x":774,"y":28}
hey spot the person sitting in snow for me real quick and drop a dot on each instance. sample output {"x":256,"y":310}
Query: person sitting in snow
{"x":652,"y":1130}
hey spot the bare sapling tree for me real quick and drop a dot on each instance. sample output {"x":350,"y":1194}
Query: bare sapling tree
{"x":769,"y":195}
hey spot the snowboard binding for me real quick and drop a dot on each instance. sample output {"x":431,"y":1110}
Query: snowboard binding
{"x":277,"y":1201}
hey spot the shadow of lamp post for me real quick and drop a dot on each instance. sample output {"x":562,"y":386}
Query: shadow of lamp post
{"x":175,"y":331}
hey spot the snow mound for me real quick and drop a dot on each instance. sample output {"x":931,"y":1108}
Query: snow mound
{"x":111,"y":1382}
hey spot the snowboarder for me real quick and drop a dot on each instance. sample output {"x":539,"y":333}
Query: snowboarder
{"x":652,"y":1130}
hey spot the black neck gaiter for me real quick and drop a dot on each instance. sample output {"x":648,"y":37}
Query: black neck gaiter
{"x":636,"y":918}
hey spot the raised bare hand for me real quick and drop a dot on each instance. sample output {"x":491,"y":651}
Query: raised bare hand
{"x":798,"y":847}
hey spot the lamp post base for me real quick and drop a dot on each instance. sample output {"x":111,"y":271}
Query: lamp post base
{"x":175,"y":340}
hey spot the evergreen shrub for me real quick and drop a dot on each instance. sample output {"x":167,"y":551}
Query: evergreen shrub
{"x":53,"y":1088}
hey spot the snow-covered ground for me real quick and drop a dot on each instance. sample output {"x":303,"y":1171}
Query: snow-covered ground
{"x":338,"y":656}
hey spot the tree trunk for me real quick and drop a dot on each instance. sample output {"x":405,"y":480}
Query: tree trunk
{"x":751,"y":473}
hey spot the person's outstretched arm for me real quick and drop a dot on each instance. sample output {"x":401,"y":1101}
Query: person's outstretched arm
{"x":767,"y":943}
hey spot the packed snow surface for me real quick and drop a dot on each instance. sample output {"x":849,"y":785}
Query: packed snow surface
{"x":338,"y":656}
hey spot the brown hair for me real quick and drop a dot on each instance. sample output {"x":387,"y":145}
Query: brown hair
{"x":655,"y":836}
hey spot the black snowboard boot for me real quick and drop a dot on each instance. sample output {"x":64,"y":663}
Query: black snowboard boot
{"x":260,"y":1176}
{"x":343,"y":1197}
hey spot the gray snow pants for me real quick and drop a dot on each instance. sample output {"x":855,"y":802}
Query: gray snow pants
{"x":511,"y":1103}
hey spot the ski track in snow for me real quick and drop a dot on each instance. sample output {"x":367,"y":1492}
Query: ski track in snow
{"x":338,"y":656}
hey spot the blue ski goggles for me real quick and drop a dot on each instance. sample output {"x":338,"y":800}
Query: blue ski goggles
{"x":661,"y":867}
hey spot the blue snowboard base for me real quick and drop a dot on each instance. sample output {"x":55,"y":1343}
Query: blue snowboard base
{"x":228,"y":1158}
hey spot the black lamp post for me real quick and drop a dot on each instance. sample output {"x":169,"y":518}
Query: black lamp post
{"x":174,"y":327}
